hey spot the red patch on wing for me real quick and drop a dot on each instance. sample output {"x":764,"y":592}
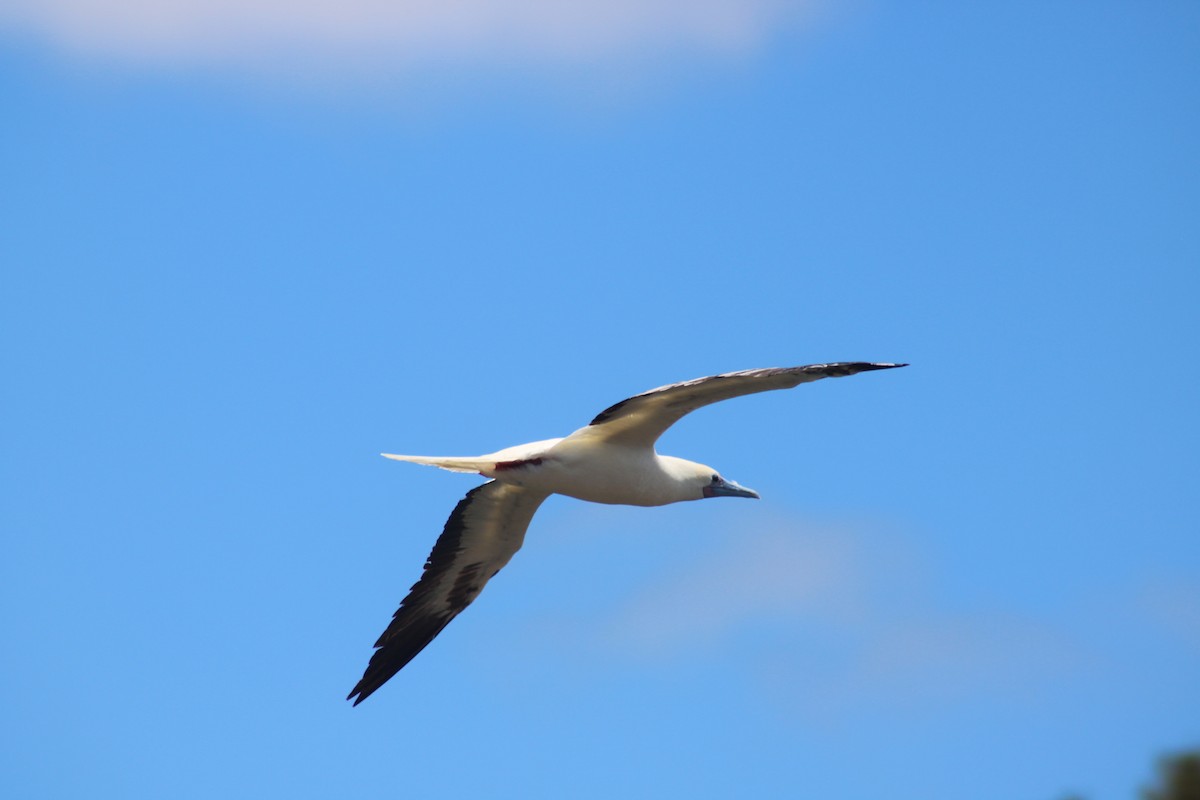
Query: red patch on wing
{"x":524,"y":462}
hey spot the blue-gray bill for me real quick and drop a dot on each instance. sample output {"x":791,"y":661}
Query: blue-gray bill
{"x":723,"y":488}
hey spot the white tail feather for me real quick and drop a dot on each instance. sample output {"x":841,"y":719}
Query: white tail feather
{"x":454,"y":464}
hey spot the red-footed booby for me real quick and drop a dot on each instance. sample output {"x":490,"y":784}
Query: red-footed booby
{"x":612,"y":460}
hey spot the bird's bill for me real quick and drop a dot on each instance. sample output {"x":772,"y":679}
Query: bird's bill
{"x":728,"y":489}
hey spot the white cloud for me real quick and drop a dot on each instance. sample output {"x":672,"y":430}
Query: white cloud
{"x":399,"y":31}
{"x":933,"y":656}
{"x":1173,"y":604}
{"x":829,"y":618}
{"x":759,"y":576}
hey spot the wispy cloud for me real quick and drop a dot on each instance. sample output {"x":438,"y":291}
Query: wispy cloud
{"x":1173,"y":603}
{"x":835,"y":616}
{"x":930,"y":657}
{"x":248,"y":32}
{"x":765,"y":576}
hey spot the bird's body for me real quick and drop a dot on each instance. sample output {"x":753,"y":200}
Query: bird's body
{"x":585,"y":468}
{"x":612,"y":460}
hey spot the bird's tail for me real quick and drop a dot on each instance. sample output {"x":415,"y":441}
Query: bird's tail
{"x":452,"y":463}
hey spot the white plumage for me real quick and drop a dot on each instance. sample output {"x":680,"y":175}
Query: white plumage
{"x":611,"y":460}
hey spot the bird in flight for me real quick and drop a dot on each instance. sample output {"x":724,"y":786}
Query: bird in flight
{"x":611,"y":460}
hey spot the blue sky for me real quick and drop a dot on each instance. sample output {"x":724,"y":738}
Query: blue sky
{"x":245,"y":253}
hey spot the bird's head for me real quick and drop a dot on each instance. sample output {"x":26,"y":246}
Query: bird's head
{"x":716,"y":486}
{"x":698,"y":481}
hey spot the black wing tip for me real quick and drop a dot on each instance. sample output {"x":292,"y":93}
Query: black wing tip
{"x":853,"y":367}
{"x":360,"y":692}
{"x":364,"y":689}
{"x":836,"y":369}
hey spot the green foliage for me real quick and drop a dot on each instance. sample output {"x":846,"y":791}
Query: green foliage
{"x":1179,"y":777}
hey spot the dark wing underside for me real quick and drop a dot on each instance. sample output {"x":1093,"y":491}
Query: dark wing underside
{"x":483,"y":532}
{"x":641,"y":419}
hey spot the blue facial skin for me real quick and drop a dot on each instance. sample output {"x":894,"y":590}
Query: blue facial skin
{"x":723,"y":488}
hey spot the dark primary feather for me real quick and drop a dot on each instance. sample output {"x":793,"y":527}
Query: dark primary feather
{"x":488,"y":525}
{"x":483,"y":532}
{"x":645,"y":416}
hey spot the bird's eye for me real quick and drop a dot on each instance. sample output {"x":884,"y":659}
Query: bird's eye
{"x":716,"y":479}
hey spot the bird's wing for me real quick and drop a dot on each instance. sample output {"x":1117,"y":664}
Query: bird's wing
{"x":641,"y":419}
{"x":484,"y":531}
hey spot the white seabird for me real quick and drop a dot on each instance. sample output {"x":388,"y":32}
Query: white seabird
{"x":612,"y":460}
